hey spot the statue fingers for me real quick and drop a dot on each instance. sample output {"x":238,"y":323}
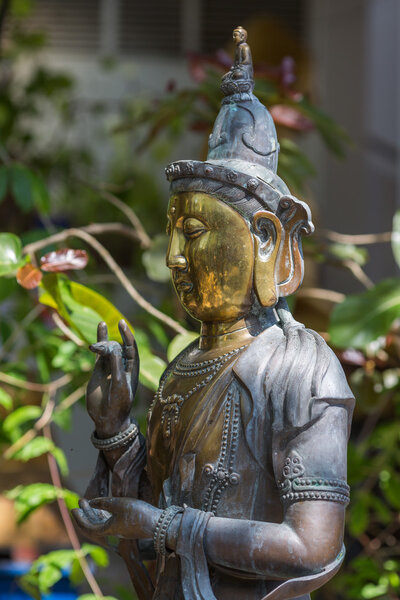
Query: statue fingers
{"x":126,"y":334}
{"x":102,"y":332}
{"x":89,"y":521}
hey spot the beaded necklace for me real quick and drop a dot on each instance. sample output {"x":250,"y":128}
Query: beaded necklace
{"x":171,"y":405}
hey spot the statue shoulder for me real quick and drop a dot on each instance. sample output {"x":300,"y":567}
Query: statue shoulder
{"x":291,"y":363}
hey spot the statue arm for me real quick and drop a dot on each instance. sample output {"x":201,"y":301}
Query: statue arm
{"x":311,"y":533}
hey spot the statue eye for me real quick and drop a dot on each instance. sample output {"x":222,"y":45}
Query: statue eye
{"x":193,"y":228}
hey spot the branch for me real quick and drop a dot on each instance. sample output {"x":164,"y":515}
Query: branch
{"x":359,"y":273}
{"x":69,"y":526}
{"x":35,"y":387}
{"x":141,"y":233}
{"x":363,"y":239}
{"x":110,"y":262}
{"x":66,"y":330}
{"x":321,"y":294}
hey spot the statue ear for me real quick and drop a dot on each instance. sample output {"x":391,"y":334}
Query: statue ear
{"x":295,"y":217}
{"x":267,"y":240}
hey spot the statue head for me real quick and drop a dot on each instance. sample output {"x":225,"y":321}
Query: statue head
{"x":235,"y":229}
{"x":239,"y":35}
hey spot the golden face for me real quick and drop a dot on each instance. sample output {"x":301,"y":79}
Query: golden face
{"x":211,"y":257}
{"x":238,"y":36}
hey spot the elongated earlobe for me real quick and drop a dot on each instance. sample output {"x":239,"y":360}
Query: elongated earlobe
{"x":268,"y":235}
{"x":295,"y":217}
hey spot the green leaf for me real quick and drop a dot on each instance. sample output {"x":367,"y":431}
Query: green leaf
{"x":391,"y":489}
{"x":154,"y":259}
{"x":98,"y":554}
{"x":349,"y":252}
{"x":34,"y":448}
{"x":151,"y":369}
{"x":396,"y":237}
{"x":362,"y":318}
{"x":180,"y":342}
{"x":21,"y":187}
{"x":10,"y":254}
{"x":19,"y":416}
{"x":41,"y":196}
{"x":5,"y":399}
{"x":61,"y":459}
{"x":28,"y":498}
{"x":48,"y":576}
{"x":359,"y":516}
{"x":80,"y":306}
{"x":3,"y":182}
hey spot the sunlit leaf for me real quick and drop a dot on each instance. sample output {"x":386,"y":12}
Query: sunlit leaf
{"x":29,"y":276}
{"x":80,"y":306}
{"x":180,"y":342}
{"x":10,"y":254}
{"x":19,"y":416}
{"x":5,"y":399}
{"x":151,"y":369}
{"x":66,"y":259}
{"x":154,"y":259}
{"x":396,"y":237}
{"x":29,"y":498}
{"x":362,"y":318}
{"x":349,"y":252}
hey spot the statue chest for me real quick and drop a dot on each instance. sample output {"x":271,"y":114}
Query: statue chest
{"x":197,"y":450}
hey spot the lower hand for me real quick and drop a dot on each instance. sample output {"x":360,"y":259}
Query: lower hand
{"x":122,"y":517}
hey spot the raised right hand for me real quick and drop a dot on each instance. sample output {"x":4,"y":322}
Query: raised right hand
{"x":112,"y":386}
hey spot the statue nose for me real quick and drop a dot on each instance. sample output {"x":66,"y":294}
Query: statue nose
{"x":175,"y":258}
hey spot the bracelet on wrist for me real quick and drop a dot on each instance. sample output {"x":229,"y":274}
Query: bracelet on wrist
{"x":161,"y":530}
{"x":119,"y":440}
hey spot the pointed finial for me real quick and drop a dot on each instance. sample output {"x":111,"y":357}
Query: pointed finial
{"x":239,"y":78}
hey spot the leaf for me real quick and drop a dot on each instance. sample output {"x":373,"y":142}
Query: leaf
{"x":21,"y":187}
{"x":29,"y":276}
{"x":48,"y":576}
{"x":29,"y":498}
{"x":5,"y":399}
{"x":80,"y":306}
{"x":154,"y":259}
{"x":396,"y":237}
{"x":151,"y":369}
{"x":10,"y":253}
{"x":34,"y":448}
{"x":362,"y":318}
{"x":3,"y":182}
{"x":359,"y":516}
{"x":40,"y":193}
{"x":98,"y":554}
{"x":66,"y":259}
{"x":291,"y":117}
{"x":180,"y":342}
{"x":19,"y":416}
{"x":349,"y":252}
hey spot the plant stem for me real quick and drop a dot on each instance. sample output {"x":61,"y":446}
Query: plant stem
{"x":69,"y":526}
{"x":113,"y":266}
{"x":363,"y":239}
{"x":35,"y":387}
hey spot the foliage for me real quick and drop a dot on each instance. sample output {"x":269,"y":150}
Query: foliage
{"x":45,"y":332}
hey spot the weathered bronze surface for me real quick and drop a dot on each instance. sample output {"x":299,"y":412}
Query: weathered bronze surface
{"x":239,"y":490}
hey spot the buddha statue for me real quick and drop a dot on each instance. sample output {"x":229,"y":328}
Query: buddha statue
{"x":238,"y":491}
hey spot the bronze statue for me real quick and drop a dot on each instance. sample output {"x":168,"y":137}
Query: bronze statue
{"x":239,"y":490}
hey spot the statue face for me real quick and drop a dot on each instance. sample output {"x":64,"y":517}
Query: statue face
{"x":211,"y":257}
{"x":238,"y":36}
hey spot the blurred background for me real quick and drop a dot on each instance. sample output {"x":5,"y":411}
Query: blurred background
{"x":96,"y":97}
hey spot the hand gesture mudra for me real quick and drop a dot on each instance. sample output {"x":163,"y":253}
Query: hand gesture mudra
{"x":112,"y":386}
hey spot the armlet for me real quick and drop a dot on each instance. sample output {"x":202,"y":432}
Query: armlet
{"x":297,"y":485}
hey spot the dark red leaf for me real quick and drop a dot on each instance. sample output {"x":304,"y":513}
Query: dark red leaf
{"x":66,"y":259}
{"x":290,"y":117}
{"x":29,"y":276}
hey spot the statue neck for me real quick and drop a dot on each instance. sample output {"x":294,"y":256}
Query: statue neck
{"x":233,"y":334}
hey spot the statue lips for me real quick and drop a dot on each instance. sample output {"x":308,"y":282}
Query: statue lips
{"x":183,"y":285}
